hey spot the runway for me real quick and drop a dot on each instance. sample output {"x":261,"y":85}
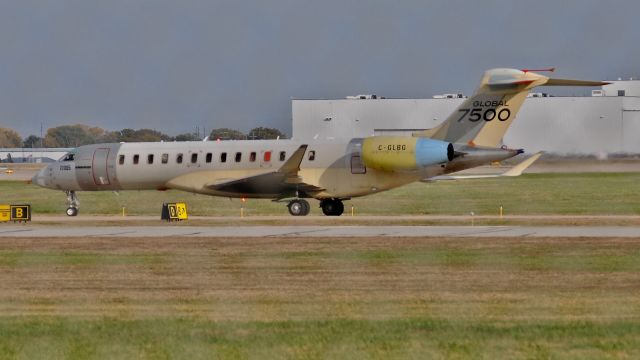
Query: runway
{"x":318,"y":231}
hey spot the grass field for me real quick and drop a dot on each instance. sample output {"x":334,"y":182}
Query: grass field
{"x":319,"y":298}
{"x":575,"y":193}
{"x":314,"y":298}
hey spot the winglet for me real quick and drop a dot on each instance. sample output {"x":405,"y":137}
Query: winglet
{"x":519,"y":168}
{"x":292,"y":166}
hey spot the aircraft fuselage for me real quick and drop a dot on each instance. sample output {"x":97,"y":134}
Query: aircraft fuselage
{"x":334,"y":168}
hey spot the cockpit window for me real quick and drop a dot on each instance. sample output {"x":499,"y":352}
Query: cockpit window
{"x":70,"y":156}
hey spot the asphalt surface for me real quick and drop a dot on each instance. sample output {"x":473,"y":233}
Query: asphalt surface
{"x":170,"y":230}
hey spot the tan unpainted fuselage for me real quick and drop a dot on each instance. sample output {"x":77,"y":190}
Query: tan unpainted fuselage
{"x":328,"y":166}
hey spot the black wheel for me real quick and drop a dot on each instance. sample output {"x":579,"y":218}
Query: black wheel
{"x":307,"y":207}
{"x":298,"y":207}
{"x":332,"y":207}
{"x":339,"y":208}
{"x":71,"y":211}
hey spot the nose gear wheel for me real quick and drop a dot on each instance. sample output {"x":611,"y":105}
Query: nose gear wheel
{"x":72,"y":202}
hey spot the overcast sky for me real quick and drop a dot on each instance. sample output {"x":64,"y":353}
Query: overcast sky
{"x":174,"y":65}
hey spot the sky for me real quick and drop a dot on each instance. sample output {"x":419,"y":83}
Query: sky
{"x":176,"y":65}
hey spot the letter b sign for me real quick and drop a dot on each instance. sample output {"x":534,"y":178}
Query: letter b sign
{"x":21,"y":212}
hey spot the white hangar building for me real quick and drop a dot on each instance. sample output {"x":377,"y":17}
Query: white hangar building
{"x":29,"y":155}
{"x":608,"y":122}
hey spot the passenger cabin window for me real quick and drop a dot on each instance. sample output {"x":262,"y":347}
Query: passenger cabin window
{"x":252,"y":156}
{"x":312,"y":155}
{"x":165,"y":158}
{"x":283,"y":155}
{"x":238,"y":156}
{"x":267,"y":156}
{"x":136,"y":159}
{"x":194,"y":158}
{"x":209,"y":157}
{"x":223,"y":157}
{"x":121,"y":159}
{"x":179,"y":159}
{"x":150,"y":159}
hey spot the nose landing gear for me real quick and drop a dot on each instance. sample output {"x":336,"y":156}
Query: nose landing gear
{"x":72,"y":202}
{"x":71,"y":211}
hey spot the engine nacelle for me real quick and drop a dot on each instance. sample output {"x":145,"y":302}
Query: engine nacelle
{"x":399,"y":153}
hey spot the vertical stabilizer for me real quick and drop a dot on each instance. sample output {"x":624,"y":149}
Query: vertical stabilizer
{"x":484,"y":118}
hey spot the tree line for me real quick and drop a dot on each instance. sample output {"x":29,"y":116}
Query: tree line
{"x":78,"y":135}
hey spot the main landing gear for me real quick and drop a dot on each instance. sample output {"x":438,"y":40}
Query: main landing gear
{"x":299,"y":207}
{"x":332,"y":207}
{"x":72,"y":202}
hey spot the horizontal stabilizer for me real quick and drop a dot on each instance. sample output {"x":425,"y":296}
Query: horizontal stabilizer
{"x":522,"y":166}
{"x":508,"y":82}
{"x":517,"y":170}
{"x":570,"y":82}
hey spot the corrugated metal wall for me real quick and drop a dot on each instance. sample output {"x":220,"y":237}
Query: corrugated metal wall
{"x":565,"y":125}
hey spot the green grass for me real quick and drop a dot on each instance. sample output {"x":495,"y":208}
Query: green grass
{"x":344,"y":339}
{"x":302,"y":298}
{"x":562,"y":194}
{"x":21,"y":258}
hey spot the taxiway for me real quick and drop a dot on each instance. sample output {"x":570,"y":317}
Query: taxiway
{"x":318,"y":231}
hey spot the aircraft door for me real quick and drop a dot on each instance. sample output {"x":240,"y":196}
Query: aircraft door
{"x":356,"y":164}
{"x":99,"y":166}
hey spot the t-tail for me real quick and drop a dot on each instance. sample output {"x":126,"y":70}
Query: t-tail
{"x":484,"y":118}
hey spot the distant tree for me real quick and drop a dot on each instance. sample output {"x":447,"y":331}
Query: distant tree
{"x":70,"y":136}
{"x":100,"y":135}
{"x":109,"y":137}
{"x":226,"y":134}
{"x":9,"y":138}
{"x":187,"y":137}
{"x":142,"y":135}
{"x":262,"y":133}
{"x":125,"y":134}
{"x":32,"y":141}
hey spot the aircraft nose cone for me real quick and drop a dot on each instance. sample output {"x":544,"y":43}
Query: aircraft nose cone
{"x":40,"y":178}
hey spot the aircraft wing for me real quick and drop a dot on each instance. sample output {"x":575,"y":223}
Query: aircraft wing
{"x":517,"y":170}
{"x":284,"y":180}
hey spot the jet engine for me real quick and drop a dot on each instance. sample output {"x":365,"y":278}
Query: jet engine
{"x":396,"y":153}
